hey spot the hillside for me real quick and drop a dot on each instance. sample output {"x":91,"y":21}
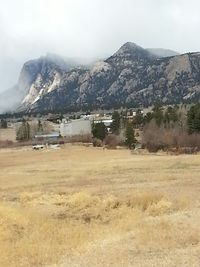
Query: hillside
{"x":133,"y":77}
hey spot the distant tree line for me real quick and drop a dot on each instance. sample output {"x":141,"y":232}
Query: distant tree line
{"x":162,"y":127}
{"x":27,"y":131}
{"x":172,"y":128}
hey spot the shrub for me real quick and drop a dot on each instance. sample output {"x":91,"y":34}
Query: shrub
{"x":23,"y":132}
{"x":169,"y":138}
{"x":97,"y":142}
{"x":153,"y":137}
{"x":111,"y":141}
{"x":5,"y":144}
{"x":81,"y":138}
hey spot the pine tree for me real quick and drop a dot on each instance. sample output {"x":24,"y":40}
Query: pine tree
{"x":99,"y":130}
{"x":139,"y":119}
{"x":40,"y":127}
{"x":193,"y":119}
{"x":115,"y":125}
{"x":158,"y":114}
{"x":148,"y":117}
{"x":130,"y":140}
{"x":171,"y":115}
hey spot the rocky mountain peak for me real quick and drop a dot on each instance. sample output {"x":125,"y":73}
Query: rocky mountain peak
{"x":130,"y":52}
{"x":130,"y":77}
{"x":129,"y":47}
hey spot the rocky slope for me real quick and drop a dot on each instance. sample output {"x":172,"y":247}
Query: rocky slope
{"x":34,"y":75}
{"x":132,"y":77}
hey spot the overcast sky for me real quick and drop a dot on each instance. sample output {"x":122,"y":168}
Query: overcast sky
{"x":91,"y":28}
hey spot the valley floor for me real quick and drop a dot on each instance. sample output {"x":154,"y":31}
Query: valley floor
{"x":83,"y":206}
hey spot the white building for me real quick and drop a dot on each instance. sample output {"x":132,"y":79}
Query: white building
{"x":106,"y":122}
{"x":75,"y":127}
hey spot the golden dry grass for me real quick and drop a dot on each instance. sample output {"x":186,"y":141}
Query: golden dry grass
{"x":83,"y":206}
{"x":8,"y":134}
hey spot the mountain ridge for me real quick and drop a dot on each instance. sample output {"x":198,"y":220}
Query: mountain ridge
{"x":132,"y":76}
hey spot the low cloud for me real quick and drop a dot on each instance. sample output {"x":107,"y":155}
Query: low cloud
{"x":91,"y":29}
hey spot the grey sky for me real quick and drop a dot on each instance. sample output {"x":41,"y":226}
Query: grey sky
{"x":91,"y":28}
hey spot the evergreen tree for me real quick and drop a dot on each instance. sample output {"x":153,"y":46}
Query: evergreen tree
{"x":99,"y":130}
{"x":40,"y":127}
{"x":171,"y":115}
{"x":158,"y":114}
{"x":130,"y":140}
{"x":3,"y":124}
{"x":115,"y":125}
{"x":138,"y":120}
{"x":148,"y":117}
{"x":193,"y":119}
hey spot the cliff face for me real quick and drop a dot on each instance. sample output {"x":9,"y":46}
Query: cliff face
{"x":133,"y":77}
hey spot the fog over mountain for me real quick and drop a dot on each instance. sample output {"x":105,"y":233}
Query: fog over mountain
{"x":131,"y":77}
{"x":160,"y":52}
{"x":86,"y":30}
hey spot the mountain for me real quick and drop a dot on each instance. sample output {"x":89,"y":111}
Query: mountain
{"x":160,"y":52}
{"x":131,"y":77}
{"x":33,"y":73}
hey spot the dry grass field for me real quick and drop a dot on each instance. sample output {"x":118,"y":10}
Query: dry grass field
{"x":8,"y":134}
{"x":89,"y":207}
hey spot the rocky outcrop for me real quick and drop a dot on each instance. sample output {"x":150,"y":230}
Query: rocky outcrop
{"x":133,"y":77}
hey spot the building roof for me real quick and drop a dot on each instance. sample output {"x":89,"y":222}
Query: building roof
{"x":51,"y":135}
{"x":104,"y":121}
